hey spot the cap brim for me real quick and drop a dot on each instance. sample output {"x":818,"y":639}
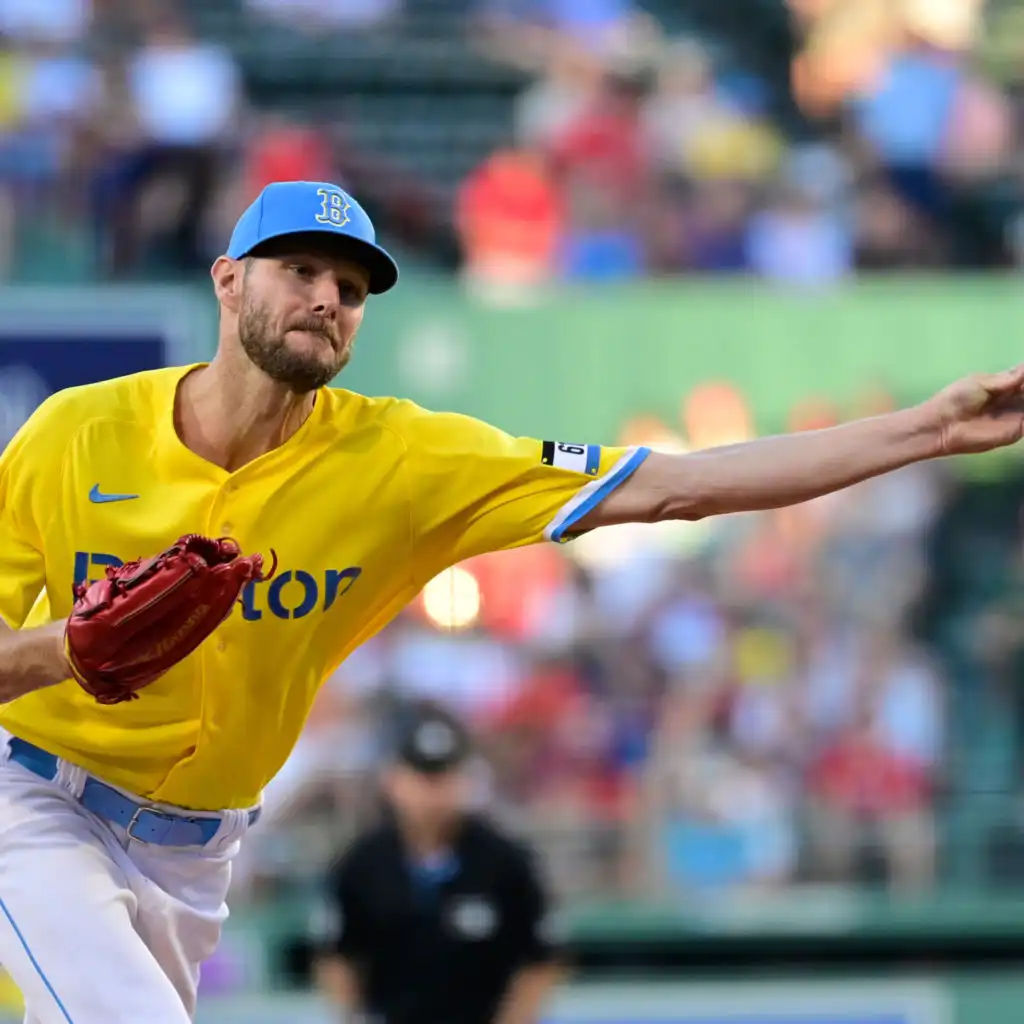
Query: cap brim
{"x":418,"y":762}
{"x":422,"y":767}
{"x":382,"y":269}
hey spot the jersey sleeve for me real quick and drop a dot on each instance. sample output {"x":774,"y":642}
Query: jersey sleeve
{"x":476,"y":488}
{"x":28,"y":469}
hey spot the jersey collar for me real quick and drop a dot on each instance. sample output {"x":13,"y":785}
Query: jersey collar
{"x":184,"y":465}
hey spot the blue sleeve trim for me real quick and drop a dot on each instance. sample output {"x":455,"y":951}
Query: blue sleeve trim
{"x":593,"y":459}
{"x":594,"y":493}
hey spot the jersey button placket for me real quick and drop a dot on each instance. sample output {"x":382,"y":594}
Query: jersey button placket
{"x":226,"y":524}
{"x":224,"y":530}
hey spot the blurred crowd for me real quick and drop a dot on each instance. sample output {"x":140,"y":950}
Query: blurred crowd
{"x":635,"y":153}
{"x":128,"y":142}
{"x":694,"y":709}
{"x":97,"y":102}
{"x":631,"y":150}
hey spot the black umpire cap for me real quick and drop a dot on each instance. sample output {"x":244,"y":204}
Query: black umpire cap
{"x":431,"y":739}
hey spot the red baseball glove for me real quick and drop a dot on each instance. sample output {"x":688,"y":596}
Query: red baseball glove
{"x":128,"y":629}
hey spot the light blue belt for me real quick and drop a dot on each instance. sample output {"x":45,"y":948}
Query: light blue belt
{"x":143,"y":823}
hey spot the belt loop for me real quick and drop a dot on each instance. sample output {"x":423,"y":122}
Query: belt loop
{"x":232,"y":827}
{"x":71,"y":778}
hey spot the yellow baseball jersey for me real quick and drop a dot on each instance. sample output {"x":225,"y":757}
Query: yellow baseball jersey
{"x":365,"y":503}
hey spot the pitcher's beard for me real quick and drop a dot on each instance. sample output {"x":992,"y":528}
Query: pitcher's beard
{"x":301,"y":371}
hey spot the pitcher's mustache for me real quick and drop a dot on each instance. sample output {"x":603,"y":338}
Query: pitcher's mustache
{"x":316,"y":325}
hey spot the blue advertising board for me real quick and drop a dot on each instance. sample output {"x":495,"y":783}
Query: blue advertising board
{"x":33,"y":367}
{"x":775,"y":1002}
{"x":768,"y":1016}
{"x":54,"y":339}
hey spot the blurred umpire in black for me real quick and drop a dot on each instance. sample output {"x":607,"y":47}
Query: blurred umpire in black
{"x":436,"y":917}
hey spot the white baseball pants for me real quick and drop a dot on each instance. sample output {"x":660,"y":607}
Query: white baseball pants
{"x":95,"y":927}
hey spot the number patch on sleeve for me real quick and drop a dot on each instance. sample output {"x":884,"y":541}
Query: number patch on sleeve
{"x":578,"y":458}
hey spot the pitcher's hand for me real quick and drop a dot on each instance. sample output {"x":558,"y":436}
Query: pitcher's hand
{"x":978,"y":413}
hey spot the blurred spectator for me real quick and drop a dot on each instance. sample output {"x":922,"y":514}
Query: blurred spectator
{"x":281,"y":150}
{"x":601,"y":164}
{"x":798,"y":240}
{"x":713,"y":233}
{"x":598,"y":24}
{"x":910,"y":713}
{"x":184,"y":97}
{"x":49,"y":95}
{"x":524,"y":31}
{"x":696,"y":129}
{"x":56,"y":22}
{"x":603,"y":241}
{"x":475,"y":673}
{"x":878,"y":715}
{"x":721,"y":821}
{"x":510,"y":220}
{"x":604,"y":147}
{"x":889,"y":233}
{"x":865,"y":791}
{"x":683,"y":104}
{"x":569,"y":85}
{"x":930,"y":122}
{"x":906,"y":116}
{"x":980,"y":138}
{"x":59,"y":91}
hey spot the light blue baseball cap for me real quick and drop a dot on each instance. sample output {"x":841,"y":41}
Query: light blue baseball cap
{"x":305,"y":207}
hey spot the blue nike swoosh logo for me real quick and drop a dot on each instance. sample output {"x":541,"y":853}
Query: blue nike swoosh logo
{"x":97,"y":497}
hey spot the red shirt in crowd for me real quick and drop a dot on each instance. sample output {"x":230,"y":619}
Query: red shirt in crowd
{"x":861,"y":776}
{"x":605,"y":147}
{"x":508,"y":211}
{"x":287,"y":153}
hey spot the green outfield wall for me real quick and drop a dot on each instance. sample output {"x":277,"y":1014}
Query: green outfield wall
{"x":579,"y":363}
